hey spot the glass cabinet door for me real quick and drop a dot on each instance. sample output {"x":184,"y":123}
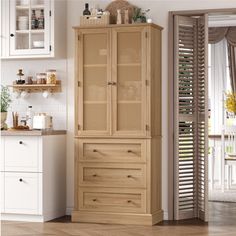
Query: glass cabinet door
{"x":129,"y":60}
{"x":29,"y":27}
{"x":94,"y":71}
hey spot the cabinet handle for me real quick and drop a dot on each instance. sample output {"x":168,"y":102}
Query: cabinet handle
{"x":94,"y":200}
{"x":20,"y":142}
{"x":95,"y":150}
{"x":113,"y":83}
{"x":129,"y":151}
{"x":21,"y":180}
{"x":94,"y":175}
{"x":129,"y":176}
{"x":129,"y":201}
{"x":109,"y":83}
{"x":12,"y":35}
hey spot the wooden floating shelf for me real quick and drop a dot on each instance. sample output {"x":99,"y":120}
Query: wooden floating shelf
{"x":34,"y":88}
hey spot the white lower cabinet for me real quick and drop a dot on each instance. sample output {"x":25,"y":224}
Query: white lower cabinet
{"x":23,"y":193}
{"x":33,"y":177}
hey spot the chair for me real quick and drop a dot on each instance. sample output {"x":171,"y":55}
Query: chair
{"x":228,"y":142}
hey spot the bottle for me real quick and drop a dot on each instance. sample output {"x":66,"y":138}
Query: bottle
{"x":29,"y":117}
{"x":41,"y":20}
{"x":34,"y":22}
{"x":126,"y":20}
{"x":86,"y":11}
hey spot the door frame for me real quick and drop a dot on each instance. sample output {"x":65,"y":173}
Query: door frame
{"x":171,"y":90}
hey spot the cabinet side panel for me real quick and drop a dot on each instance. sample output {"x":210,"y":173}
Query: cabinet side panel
{"x":156,"y":174}
{"x":155,"y":82}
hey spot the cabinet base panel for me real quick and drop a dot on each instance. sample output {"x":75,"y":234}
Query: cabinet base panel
{"x":31,"y":217}
{"x":117,"y":218}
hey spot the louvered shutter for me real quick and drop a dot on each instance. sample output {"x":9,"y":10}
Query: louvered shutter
{"x":190,"y":44}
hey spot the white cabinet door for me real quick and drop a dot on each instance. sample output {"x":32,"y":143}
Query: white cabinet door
{"x":22,"y":153}
{"x":27,"y":36}
{"x":23,"y":193}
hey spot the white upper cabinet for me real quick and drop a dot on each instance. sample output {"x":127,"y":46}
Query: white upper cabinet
{"x":33,"y":28}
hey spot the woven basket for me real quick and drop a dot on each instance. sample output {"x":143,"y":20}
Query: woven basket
{"x":100,"y":20}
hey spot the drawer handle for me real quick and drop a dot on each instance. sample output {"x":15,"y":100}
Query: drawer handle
{"x":94,"y":200}
{"x":20,"y":142}
{"x":129,"y":176}
{"x":129,"y":201}
{"x":95,"y":150}
{"x":129,"y":151}
{"x":94,"y":175}
{"x":21,"y":180}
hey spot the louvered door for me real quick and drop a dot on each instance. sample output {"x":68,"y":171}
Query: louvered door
{"x":190,"y":44}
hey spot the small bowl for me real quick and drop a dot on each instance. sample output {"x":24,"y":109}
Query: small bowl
{"x":38,"y":44}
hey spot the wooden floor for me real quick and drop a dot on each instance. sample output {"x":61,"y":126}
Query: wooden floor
{"x":222,"y":223}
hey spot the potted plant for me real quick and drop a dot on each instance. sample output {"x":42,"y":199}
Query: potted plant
{"x":5,"y":103}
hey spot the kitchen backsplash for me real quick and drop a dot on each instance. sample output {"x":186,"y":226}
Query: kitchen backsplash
{"x":55,"y":105}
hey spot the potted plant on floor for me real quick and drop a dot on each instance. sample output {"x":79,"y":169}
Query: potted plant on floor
{"x":5,"y":103}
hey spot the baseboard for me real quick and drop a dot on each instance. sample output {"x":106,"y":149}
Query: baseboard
{"x":69,"y":211}
{"x":166,"y":215}
{"x":117,"y":218}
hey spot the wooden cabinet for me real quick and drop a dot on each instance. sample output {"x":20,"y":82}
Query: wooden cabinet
{"x":118,"y":124}
{"x":32,"y":174}
{"x":24,"y":37}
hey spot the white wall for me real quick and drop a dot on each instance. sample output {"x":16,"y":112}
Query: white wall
{"x":54,"y":105}
{"x":159,"y":13}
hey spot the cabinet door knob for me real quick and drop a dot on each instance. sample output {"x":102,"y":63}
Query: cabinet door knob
{"x":12,"y":35}
{"x":129,"y":151}
{"x":129,"y":176}
{"x":109,"y":83}
{"x":20,"y":180}
{"x":113,"y":83}
{"x":94,"y":200}
{"x":94,"y":150}
{"x":129,"y":201}
{"x":94,"y":175}
{"x":20,"y":142}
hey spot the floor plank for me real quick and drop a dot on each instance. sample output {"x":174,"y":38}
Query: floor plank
{"x":222,"y":222}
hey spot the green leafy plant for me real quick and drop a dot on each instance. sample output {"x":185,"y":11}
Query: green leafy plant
{"x":5,"y":98}
{"x":139,"y":16}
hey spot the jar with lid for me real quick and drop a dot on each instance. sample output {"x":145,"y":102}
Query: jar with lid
{"x":51,"y":77}
{"x":41,"y":78}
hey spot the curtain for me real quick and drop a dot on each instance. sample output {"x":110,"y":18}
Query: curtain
{"x":217,"y":84}
{"x":216,"y":34}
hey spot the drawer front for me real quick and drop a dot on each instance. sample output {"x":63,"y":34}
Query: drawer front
{"x":22,"y":193}
{"x":112,"y":200}
{"x":112,"y":151}
{"x":112,"y":175}
{"x":21,"y":153}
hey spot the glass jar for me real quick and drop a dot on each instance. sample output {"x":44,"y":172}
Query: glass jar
{"x":41,"y":78}
{"x":51,"y":77}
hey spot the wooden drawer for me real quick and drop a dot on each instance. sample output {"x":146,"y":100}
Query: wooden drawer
{"x":22,"y":153}
{"x":112,"y":200}
{"x":22,"y":193}
{"x":112,"y":175}
{"x":105,"y":150}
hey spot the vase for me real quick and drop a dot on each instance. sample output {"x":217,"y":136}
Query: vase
{"x":3,"y":120}
{"x":118,"y":19}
